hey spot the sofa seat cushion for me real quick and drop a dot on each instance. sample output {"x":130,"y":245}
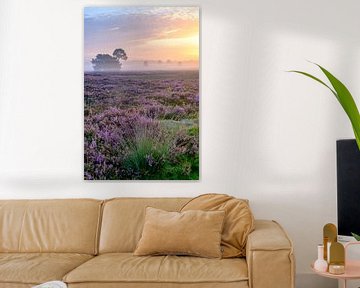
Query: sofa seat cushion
{"x":36,"y":268}
{"x":127,"y":268}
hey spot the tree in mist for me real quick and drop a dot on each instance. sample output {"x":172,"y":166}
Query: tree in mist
{"x":106,"y":62}
{"x":120,"y":54}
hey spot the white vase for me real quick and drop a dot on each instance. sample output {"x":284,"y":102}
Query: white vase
{"x":320,"y":264}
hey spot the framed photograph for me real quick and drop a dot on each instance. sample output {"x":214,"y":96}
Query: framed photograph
{"x":141,"y":93}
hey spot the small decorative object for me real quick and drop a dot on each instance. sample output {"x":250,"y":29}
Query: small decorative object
{"x":327,"y":249}
{"x":337,"y":258}
{"x":336,"y":269}
{"x":141,"y":93}
{"x":320,"y":264}
{"x":341,"y":267}
{"x":329,"y":236}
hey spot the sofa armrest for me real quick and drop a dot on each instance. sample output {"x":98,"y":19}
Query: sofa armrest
{"x":269,"y":256}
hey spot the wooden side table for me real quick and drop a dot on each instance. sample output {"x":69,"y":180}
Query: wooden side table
{"x":352,"y":268}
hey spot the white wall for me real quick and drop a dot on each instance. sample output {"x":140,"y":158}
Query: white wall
{"x":266,"y":135}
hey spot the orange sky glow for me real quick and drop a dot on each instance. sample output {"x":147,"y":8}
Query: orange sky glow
{"x":154,"y":38}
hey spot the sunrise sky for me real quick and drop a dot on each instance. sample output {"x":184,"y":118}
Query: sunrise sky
{"x":154,"y":38}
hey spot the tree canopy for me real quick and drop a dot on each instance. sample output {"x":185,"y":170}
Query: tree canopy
{"x":120,"y":54}
{"x":106,"y":62}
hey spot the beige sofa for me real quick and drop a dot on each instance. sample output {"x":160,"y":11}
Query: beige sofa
{"x":89,"y":243}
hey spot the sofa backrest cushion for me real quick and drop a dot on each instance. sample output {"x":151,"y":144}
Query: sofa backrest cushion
{"x":123,"y":220}
{"x":239,"y":220}
{"x":66,"y":226}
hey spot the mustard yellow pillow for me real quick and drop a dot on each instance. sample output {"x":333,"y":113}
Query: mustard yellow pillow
{"x":193,"y":232}
{"x":238,"y":223}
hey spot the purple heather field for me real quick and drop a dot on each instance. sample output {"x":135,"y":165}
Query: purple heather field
{"x":141,"y":125}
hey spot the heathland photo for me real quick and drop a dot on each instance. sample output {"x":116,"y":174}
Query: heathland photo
{"x":141,"y":93}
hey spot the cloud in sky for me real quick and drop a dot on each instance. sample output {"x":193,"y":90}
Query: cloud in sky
{"x":146,"y":34}
{"x":173,"y":12}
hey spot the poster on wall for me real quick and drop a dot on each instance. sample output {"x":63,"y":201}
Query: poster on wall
{"x":141,"y":93}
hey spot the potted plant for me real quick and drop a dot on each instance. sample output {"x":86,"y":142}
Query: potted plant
{"x":345,"y":99}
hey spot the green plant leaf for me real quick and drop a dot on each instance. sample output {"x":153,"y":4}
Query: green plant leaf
{"x":347,"y":102}
{"x":344,"y":97}
{"x":316,"y":79}
{"x":357,"y":137}
{"x":356,"y":236}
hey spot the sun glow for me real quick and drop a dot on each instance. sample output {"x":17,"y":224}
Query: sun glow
{"x":183,"y":48}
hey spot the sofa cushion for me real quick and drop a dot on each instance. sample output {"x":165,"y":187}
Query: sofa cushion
{"x":36,"y":268}
{"x":123,"y":220}
{"x":126,"y":268}
{"x":193,"y":232}
{"x":63,"y":226}
{"x":239,"y":220}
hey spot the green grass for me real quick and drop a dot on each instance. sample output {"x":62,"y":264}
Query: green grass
{"x":149,"y":157}
{"x":145,"y":155}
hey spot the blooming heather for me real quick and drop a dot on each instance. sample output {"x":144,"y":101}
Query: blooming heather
{"x":141,"y":125}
